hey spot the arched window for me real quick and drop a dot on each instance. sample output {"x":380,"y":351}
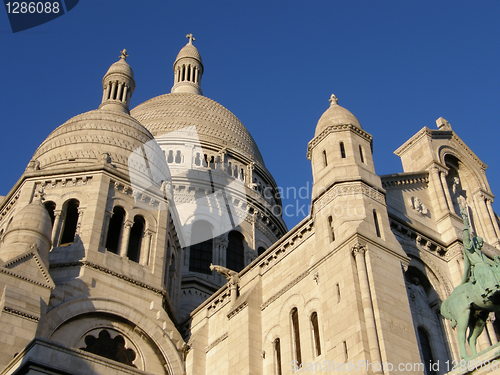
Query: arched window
{"x":342,"y":150}
{"x":200,"y":252}
{"x":170,"y":157}
{"x":361,"y":155}
{"x":454,"y":182}
{"x":325,"y":159}
{"x":235,"y":255}
{"x":424,"y":306}
{"x":115,"y":229}
{"x":112,"y":348}
{"x":261,"y":250}
{"x":178,"y":157}
{"x":330,"y":229}
{"x":277,"y":356}
{"x":135,"y":241}
{"x":50,"y":207}
{"x":377,"y":224}
{"x":294,"y":316}
{"x":315,"y":331}
{"x":70,"y":222}
{"x":426,"y":351}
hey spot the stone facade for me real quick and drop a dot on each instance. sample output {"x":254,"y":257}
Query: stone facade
{"x":109,"y":236}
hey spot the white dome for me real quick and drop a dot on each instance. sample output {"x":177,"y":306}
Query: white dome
{"x":95,"y":136}
{"x":335,"y":115}
{"x":214,"y":123}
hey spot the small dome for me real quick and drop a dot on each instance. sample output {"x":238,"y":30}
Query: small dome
{"x":214,"y":123}
{"x":120,"y":67}
{"x":99,"y":136}
{"x":335,"y":115}
{"x":189,"y":50}
{"x":33,"y":217}
{"x":30,"y":226}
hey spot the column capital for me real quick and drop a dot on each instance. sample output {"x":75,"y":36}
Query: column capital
{"x":128,"y":224}
{"x":359,"y":249}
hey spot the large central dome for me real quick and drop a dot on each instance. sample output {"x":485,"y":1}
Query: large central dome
{"x":214,"y":123}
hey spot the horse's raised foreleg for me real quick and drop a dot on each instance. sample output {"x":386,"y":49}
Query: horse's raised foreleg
{"x":476,"y":326}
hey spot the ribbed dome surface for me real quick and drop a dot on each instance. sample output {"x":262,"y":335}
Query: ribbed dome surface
{"x":213,"y":122}
{"x":189,"y":50}
{"x":120,"y":67}
{"x":86,"y":139}
{"x":335,"y":115}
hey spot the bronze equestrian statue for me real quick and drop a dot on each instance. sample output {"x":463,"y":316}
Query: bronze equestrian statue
{"x":470,"y":303}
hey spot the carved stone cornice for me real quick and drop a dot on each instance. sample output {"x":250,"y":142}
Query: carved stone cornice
{"x":405,"y":179}
{"x":333,"y":129}
{"x":22,"y":314}
{"x":348,"y":188}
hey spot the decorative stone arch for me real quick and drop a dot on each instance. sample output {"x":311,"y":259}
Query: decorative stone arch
{"x":166,"y":339}
{"x":441,"y":286}
{"x":439,"y":282}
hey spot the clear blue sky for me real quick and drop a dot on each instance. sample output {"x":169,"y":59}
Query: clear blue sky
{"x":397,"y":65}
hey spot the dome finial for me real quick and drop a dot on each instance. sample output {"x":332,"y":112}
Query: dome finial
{"x":191,"y":38}
{"x":333,"y":99}
{"x":123,"y":54}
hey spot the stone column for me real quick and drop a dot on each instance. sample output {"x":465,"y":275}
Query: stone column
{"x":105,"y":228}
{"x":56,"y":228}
{"x":146,"y":247}
{"x":444,"y":185}
{"x":79,"y":222}
{"x":127,"y":226}
{"x":492,"y":216}
{"x":367,"y":303}
{"x":119,"y":93}
{"x":439,"y":196}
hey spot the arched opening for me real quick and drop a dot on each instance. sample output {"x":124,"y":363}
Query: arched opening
{"x":424,"y":306}
{"x":235,"y":255}
{"x":178,"y":157}
{"x":112,"y":348}
{"x":50,"y":207}
{"x":294,"y":317}
{"x":426,"y":351}
{"x":135,"y":241}
{"x":330,"y":229}
{"x":261,"y":250}
{"x":342,"y":150}
{"x":454,"y":182}
{"x":361,"y":155}
{"x":115,"y":229}
{"x":200,"y":253}
{"x":70,"y":212}
{"x":376,"y":223}
{"x":315,"y":332}
{"x":325,"y":159}
{"x":277,"y":356}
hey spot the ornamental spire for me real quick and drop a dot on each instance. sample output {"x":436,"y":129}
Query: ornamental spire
{"x":117,"y":85}
{"x":188,"y":69}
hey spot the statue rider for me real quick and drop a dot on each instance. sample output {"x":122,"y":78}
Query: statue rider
{"x":478,"y":268}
